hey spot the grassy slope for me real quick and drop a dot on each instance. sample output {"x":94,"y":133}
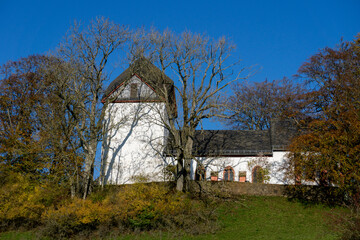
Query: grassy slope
{"x":266,"y":218}
{"x":254,"y":218}
{"x":274,"y":218}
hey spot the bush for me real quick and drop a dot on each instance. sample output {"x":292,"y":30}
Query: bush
{"x":75,"y":216}
{"x":331,"y":196}
{"x":23,"y":201}
{"x":129,"y":208}
{"x":144,"y":205}
{"x":137,"y":207}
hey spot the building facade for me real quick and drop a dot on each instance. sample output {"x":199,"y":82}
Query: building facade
{"x":135,"y":139}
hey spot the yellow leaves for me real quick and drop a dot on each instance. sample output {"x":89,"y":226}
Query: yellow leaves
{"x":134,"y":206}
{"x":133,"y":199}
{"x":78,"y":212}
{"x":137,"y":204}
{"x":20,"y":200}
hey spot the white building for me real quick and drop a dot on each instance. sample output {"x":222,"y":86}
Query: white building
{"x":134,"y":146}
{"x":237,"y":155}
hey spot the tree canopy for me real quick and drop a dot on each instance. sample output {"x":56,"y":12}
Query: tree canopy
{"x":328,"y":147}
{"x":253,"y":105}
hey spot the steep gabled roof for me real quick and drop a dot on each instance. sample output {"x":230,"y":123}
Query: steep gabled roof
{"x":149,"y":74}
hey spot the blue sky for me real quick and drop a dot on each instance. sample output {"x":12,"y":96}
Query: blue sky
{"x":277,"y":36}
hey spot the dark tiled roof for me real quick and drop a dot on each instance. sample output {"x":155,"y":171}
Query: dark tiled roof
{"x":282,"y":132}
{"x":243,"y":142}
{"x":150,"y":74}
{"x":231,"y":142}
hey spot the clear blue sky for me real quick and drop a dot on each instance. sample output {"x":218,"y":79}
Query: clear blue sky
{"x":275,"y":35}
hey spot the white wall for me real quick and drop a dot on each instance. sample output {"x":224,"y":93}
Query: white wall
{"x":144,"y":90}
{"x":133,"y":143}
{"x":218,"y":164}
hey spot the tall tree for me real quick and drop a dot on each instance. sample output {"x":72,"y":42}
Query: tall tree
{"x":60,"y":124}
{"x":88,"y":51}
{"x":253,"y":105}
{"x":22,"y":94}
{"x":328,"y":149}
{"x":32,"y":119}
{"x":201,"y":69}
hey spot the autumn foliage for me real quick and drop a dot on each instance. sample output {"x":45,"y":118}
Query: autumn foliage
{"x":116,"y":209}
{"x":327,"y":150}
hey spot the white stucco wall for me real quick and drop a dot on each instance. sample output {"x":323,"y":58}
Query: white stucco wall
{"x":218,"y":164}
{"x":133,"y":143}
{"x":277,"y":167}
{"x":143,"y":90}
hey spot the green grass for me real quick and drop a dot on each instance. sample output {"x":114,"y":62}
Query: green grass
{"x":266,"y":218}
{"x":253,"y":218}
{"x":274,"y":218}
{"x":17,"y":236}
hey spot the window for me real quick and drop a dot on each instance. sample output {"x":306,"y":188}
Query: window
{"x":229,"y":174}
{"x":242,"y":176}
{"x":214,"y":176}
{"x":133,"y":90}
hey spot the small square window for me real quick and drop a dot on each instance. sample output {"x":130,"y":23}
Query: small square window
{"x":242,"y":176}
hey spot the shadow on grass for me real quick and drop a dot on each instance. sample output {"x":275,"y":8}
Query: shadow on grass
{"x":310,"y":195}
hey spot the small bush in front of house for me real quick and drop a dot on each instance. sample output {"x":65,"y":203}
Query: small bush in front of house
{"x":350,"y":227}
{"x":347,"y":223}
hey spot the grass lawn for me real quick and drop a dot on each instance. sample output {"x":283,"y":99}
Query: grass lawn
{"x":253,"y":218}
{"x":274,"y":218}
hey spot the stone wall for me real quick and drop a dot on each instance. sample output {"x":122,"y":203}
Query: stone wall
{"x":240,"y":188}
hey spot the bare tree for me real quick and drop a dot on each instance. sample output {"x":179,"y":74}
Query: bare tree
{"x":201,"y":69}
{"x":88,"y":51}
{"x":60,"y":123}
{"x":253,"y":105}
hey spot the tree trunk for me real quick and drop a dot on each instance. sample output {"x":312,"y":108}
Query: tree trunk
{"x":183,"y":166}
{"x":183,"y":174}
{"x":89,"y":168}
{"x":186,"y":187}
{"x":187,"y":159}
{"x":179,"y":174}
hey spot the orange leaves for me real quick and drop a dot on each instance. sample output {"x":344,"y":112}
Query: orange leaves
{"x":330,"y":139}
